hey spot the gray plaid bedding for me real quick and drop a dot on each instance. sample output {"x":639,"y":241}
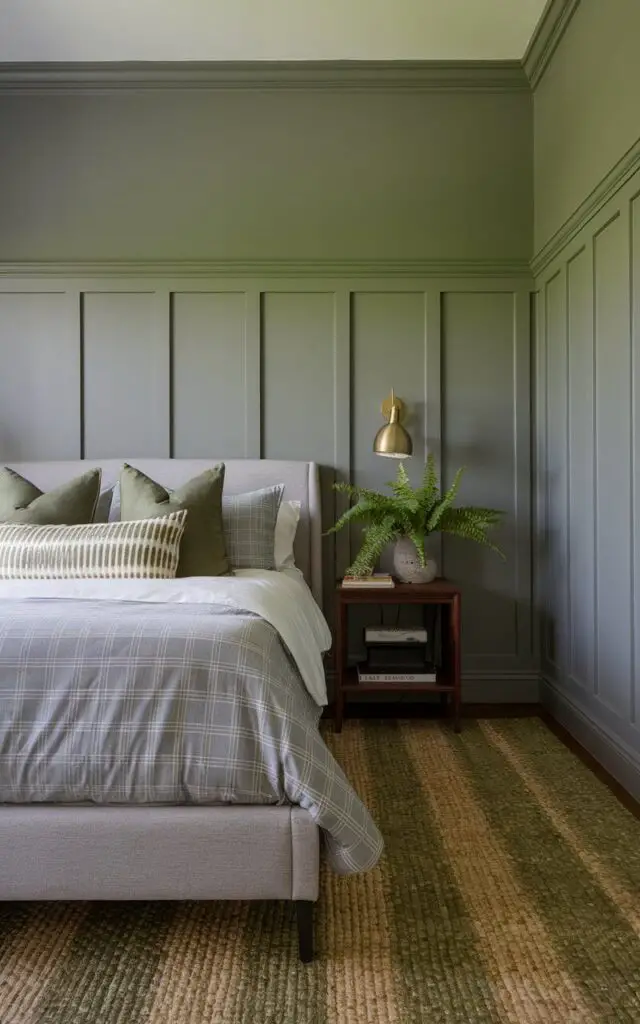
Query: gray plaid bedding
{"x":166,"y":703}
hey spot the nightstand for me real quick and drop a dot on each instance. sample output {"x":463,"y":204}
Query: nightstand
{"x":441,"y":593}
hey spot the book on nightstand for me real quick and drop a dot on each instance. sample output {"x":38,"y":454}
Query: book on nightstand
{"x":397,"y":678}
{"x":395,"y":635}
{"x":377,"y":580}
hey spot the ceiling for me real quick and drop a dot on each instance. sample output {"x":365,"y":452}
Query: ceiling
{"x":210,"y":30}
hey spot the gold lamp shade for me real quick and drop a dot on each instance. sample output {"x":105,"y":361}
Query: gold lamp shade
{"x":392,"y":440}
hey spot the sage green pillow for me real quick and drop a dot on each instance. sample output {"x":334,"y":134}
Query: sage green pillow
{"x":202,"y":551}
{"x":71,"y":504}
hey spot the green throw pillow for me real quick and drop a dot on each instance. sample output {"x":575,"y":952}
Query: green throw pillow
{"x":203,"y":551}
{"x":71,"y":504}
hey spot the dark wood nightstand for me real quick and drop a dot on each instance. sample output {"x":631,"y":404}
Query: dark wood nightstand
{"x":437,"y":593}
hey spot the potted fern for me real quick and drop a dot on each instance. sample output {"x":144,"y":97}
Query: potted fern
{"x":407,"y":517}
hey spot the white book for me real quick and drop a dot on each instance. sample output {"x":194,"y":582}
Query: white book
{"x":394,"y":635}
{"x":396,"y":677}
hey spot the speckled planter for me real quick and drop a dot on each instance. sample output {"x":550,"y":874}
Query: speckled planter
{"x":406,"y":564}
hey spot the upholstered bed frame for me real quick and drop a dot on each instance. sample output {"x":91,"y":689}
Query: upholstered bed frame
{"x":79,"y":852}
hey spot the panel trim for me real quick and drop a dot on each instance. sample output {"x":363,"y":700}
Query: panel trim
{"x":538,"y":477}
{"x":376,"y":76}
{"x":545,"y":40}
{"x":342,"y":377}
{"x":634,"y":277}
{"x":612,"y":182}
{"x":612,"y":754}
{"x":522,"y":468}
{"x":433,"y":389}
{"x":252,"y":372}
{"x":291,"y":269}
{"x":510,"y":687}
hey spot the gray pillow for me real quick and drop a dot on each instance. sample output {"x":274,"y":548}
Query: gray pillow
{"x":249,"y":522}
{"x":103,"y":508}
{"x":71,"y":504}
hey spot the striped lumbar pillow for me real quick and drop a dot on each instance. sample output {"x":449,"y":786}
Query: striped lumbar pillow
{"x":136,"y":549}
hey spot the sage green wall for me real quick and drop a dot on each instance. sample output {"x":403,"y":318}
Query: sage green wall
{"x":586,"y":109}
{"x":404,"y":219}
{"x":588,"y":387}
{"x":266,"y":174}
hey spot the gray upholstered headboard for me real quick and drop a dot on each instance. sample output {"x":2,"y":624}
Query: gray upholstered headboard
{"x":300,"y":480}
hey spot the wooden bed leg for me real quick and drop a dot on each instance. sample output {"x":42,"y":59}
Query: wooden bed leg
{"x":304,"y":915}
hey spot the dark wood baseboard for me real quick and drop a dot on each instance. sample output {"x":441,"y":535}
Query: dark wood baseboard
{"x":432,"y":710}
{"x":625,"y":798}
{"x":398,"y":709}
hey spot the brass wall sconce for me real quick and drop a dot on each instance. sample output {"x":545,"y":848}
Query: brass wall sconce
{"x":392,"y":440}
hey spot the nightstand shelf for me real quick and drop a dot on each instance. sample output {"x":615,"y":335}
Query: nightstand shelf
{"x":351,"y":685}
{"x":441,"y":593}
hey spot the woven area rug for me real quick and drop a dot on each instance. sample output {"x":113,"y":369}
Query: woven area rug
{"x":509,"y":892}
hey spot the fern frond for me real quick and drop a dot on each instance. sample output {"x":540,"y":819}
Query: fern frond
{"x":471,"y":523}
{"x":418,"y":539}
{"x":413,"y":513}
{"x":445,"y":502}
{"x":375,"y":539}
{"x":401,"y":487}
{"x":353,"y":514}
{"x":428,"y":494}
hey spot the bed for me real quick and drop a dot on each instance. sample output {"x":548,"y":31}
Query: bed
{"x":186,"y":835}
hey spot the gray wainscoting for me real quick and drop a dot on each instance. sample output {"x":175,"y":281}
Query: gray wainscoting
{"x":297,"y":369}
{"x":588,"y":503}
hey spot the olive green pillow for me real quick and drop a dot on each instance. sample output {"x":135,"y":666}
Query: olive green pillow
{"x":71,"y":504}
{"x":202,"y":551}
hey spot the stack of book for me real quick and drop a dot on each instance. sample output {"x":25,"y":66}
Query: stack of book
{"x":397,"y":657}
{"x":379,"y":579}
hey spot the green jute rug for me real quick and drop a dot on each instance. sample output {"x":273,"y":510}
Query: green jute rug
{"x":509,"y":892}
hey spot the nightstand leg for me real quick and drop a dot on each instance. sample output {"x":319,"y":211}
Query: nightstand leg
{"x":454,"y":653}
{"x":341,"y":664}
{"x":339,"y":705}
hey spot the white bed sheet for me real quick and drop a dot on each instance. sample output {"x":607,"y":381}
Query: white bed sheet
{"x":281,"y":597}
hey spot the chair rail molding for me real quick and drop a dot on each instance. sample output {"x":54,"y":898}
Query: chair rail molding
{"x":613,"y":181}
{"x":420,"y":76}
{"x":413,"y":269}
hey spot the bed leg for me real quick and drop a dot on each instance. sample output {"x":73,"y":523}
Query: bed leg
{"x":304,"y":915}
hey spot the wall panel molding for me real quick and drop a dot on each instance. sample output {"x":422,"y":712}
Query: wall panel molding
{"x":372,"y":76}
{"x":587,"y":523}
{"x":619,"y":176}
{"x":125,"y":270}
{"x":297,"y":367}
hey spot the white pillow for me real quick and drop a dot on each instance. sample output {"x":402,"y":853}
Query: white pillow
{"x":285,"y":534}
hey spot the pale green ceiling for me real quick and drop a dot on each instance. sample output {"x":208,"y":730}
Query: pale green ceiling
{"x":97,"y":30}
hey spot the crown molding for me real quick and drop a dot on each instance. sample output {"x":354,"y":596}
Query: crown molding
{"x":553,"y":24}
{"x":381,"y":76}
{"x":266,"y":268}
{"x":602,"y":193}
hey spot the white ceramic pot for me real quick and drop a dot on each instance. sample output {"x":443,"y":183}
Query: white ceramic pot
{"x":406,"y":563}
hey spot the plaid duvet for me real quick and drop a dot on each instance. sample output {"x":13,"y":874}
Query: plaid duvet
{"x":129,"y":702}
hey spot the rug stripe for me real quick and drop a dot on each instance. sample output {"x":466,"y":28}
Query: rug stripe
{"x":35,"y":954}
{"x":603,"y":824}
{"x":607,"y":965}
{"x":110,"y":964}
{"x":529,"y":981}
{"x":356,"y":911}
{"x":275,"y":985}
{"x":434,"y":944}
{"x":627,"y":902}
{"x":198,"y":975}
